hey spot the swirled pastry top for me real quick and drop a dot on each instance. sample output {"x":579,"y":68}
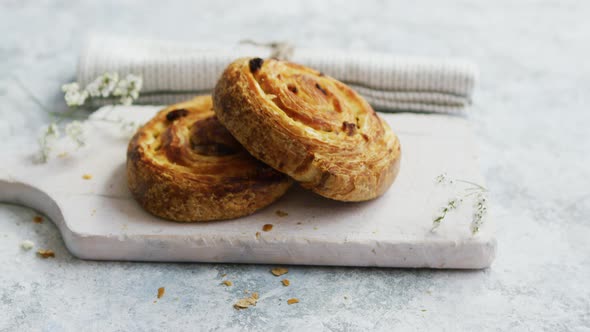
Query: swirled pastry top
{"x":310,"y":126}
{"x":184,"y":165}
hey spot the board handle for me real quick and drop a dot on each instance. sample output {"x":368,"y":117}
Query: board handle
{"x":16,"y":192}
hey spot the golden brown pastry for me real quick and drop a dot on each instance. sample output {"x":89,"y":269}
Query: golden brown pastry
{"x":184,"y":166}
{"x":310,"y":126}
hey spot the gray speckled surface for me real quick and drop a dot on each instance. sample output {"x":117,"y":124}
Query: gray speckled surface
{"x":531,"y":112}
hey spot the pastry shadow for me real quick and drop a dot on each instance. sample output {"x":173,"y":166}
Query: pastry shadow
{"x":300,"y":206}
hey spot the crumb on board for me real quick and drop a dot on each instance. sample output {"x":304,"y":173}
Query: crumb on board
{"x":292,"y":301}
{"x":286,"y":282}
{"x":247,"y":302}
{"x":267,"y":227}
{"x":279,"y":271}
{"x":38,"y":219}
{"x":161,"y":292}
{"x":257,"y":235}
{"x":281,"y":213}
{"x":87,"y":176}
{"x":46,"y":253}
{"x":27,"y":244}
{"x":227,"y":283}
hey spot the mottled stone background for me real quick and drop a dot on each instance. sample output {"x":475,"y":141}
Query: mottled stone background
{"x":532,"y":117}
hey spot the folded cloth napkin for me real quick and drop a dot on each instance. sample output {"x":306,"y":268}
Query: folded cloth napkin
{"x":175,"y":71}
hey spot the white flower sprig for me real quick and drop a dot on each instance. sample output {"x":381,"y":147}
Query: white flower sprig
{"x":51,"y":134}
{"x":472,"y":190}
{"x":480,"y":211}
{"x":451,"y":205}
{"x":74,"y":131}
{"x":103,"y":85}
{"x":107,"y":85}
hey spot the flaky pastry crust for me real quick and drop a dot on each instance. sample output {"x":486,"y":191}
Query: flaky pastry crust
{"x":309,"y":126}
{"x":183,"y":165}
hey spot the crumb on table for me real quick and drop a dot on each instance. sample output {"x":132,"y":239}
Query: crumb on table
{"x":227,"y":283}
{"x":161,"y":292}
{"x":286,"y":282}
{"x":37,"y":219}
{"x":292,"y":301}
{"x":27,"y":245}
{"x":267,"y":227}
{"x":247,"y":302}
{"x":46,"y":253}
{"x":87,"y":176}
{"x":279,"y":271}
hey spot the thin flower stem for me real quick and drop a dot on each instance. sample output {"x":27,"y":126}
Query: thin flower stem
{"x":471,"y":194}
{"x":473,"y":184}
{"x":69,"y":115}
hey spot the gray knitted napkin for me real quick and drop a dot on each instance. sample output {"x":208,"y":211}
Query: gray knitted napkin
{"x":175,"y":71}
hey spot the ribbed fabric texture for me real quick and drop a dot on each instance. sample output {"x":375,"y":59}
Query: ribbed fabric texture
{"x":175,"y":71}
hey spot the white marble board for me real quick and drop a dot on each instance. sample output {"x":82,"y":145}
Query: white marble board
{"x":99,"y":219}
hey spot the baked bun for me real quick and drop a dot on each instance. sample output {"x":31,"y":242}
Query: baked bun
{"x":309,"y":126}
{"x":184,"y":166}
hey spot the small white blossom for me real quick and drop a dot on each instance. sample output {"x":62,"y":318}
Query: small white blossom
{"x":73,"y":96}
{"x":128,"y":89}
{"x":70,"y":87}
{"x":75,"y":131}
{"x":126,"y":100}
{"x":480,"y":210}
{"x":93,"y":89}
{"x":103,"y":85}
{"x":443,"y":179}
{"x":47,"y":140}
